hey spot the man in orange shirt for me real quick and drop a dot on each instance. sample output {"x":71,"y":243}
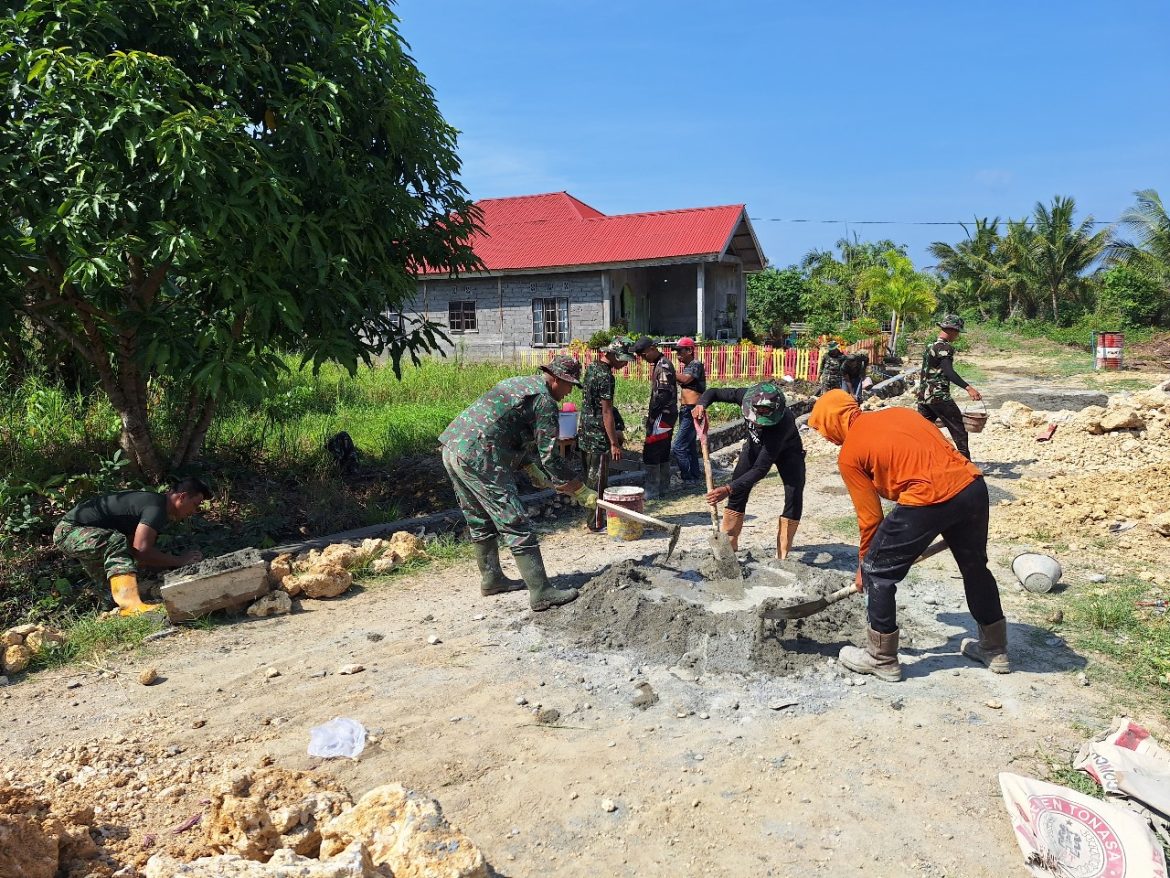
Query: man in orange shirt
{"x":896,"y":454}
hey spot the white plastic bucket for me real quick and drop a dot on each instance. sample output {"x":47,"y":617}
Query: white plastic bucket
{"x":568,"y":425}
{"x":1037,"y":573}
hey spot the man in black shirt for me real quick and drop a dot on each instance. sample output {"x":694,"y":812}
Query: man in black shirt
{"x":660,"y":417}
{"x":114,"y":534}
{"x":773,"y":439}
{"x":692,"y":382}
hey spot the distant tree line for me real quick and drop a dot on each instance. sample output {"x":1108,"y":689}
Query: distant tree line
{"x":1048,"y":266}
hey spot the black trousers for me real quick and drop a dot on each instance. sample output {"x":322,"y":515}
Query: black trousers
{"x":947,"y":411}
{"x":908,"y":530}
{"x":791,"y":469}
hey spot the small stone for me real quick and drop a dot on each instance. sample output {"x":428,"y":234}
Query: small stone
{"x":521,"y":700}
{"x":1096,"y":577}
{"x":478,"y":617}
{"x":704,"y":715}
{"x":198,"y":723}
{"x":148,"y":677}
{"x":549,"y":716}
{"x":574,"y":796}
{"x":955,"y":672}
{"x":608,"y":806}
{"x":270,"y":673}
{"x":73,"y":684}
{"x":1082,"y":679}
{"x":1056,"y":618}
{"x":346,"y":670}
{"x":695,"y":803}
{"x":433,"y":640}
{"x":993,"y":704}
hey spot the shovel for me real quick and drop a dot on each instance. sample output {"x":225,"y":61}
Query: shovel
{"x":810,"y":608}
{"x":631,"y":515}
{"x":725,"y":558}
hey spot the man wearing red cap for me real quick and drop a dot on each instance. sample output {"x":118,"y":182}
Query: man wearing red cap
{"x":692,"y":381}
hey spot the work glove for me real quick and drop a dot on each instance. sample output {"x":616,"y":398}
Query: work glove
{"x":586,"y":497}
{"x":535,"y":476}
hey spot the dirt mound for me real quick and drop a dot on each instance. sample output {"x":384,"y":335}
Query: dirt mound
{"x":678,"y":617}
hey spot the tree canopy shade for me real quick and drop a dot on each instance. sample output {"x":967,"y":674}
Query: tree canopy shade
{"x":188,"y":187}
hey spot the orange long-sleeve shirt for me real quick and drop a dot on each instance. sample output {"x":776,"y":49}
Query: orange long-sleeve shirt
{"x":893,"y":453}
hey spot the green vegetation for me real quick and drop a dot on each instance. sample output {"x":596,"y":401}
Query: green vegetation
{"x":89,"y":639}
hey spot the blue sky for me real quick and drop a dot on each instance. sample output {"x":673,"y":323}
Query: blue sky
{"x":850,"y":111}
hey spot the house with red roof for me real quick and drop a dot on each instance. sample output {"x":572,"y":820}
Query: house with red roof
{"x":556,"y":269}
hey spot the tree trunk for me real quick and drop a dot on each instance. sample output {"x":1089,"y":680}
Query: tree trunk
{"x":200,"y":411}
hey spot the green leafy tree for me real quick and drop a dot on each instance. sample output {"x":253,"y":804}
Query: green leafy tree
{"x":189,"y":187}
{"x":1146,"y":256}
{"x":1060,"y":251}
{"x":774,"y":300}
{"x":908,"y":294}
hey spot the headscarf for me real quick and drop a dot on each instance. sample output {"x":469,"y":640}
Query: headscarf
{"x":832,"y":415}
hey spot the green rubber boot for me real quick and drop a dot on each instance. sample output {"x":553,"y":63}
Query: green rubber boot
{"x":541,"y":595}
{"x":487,"y":556}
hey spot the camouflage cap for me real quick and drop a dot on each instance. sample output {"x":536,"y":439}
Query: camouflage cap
{"x":834,"y":344}
{"x":564,"y":367}
{"x":764,"y":404}
{"x":620,"y":348}
{"x":951,"y":321}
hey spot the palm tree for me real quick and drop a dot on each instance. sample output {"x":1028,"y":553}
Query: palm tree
{"x":1059,"y":252}
{"x":906,"y":292}
{"x":1149,"y":224}
{"x":973,"y":269}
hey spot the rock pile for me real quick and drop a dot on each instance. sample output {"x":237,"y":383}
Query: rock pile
{"x":21,"y":643}
{"x":327,"y":572}
{"x":108,"y":808}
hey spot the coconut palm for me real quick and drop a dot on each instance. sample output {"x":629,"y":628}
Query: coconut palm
{"x":1149,"y":224}
{"x":1059,"y":252}
{"x":906,"y":292}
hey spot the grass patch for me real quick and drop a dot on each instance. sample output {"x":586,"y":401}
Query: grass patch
{"x":842,"y":526}
{"x":443,"y":550}
{"x":93,"y":637}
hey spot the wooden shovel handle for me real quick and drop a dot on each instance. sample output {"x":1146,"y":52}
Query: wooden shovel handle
{"x":623,"y":512}
{"x":714,"y":507}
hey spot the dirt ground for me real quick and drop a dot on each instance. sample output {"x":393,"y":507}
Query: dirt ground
{"x":808,"y":771}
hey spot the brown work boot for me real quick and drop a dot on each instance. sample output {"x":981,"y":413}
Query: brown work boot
{"x":785,"y":534}
{"x":879,"y":658}
{"x":541,"y":594}
{"x":493,"y":581}
{"x":732,"y":525}
{"x":990,"y":648}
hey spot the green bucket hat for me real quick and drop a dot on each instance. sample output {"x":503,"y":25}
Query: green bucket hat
{"x":951,"y":321}
{"x":763,"y":404}
{"x":620,"y":348}
{"x":564,"y":367}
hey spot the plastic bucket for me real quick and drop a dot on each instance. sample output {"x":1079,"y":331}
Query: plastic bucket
{"x":1037,"y":573}
{"x":568,"y":426}
{"x":634,"y":499}
{"x":1109,"y":349}
{"x":975,"y":420}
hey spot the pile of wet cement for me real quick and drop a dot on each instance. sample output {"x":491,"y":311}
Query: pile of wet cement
{"x":715,"y":628}
{"x":220,"y":564}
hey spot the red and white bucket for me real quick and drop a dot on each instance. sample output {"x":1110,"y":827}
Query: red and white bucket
{"x":1109,"y":346}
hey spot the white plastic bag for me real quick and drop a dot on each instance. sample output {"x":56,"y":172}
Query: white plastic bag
{"x":338,"y":737}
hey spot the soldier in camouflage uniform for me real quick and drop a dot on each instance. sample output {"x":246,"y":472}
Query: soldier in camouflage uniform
{"x":831,"y":368}
{"x":114,"y":534}
{"x":938,"y":374}
{"x":514,"y":425}
{"x":660,"y":417}
{"x":600,"y":428}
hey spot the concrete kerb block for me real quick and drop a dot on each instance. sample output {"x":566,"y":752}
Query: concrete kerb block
{"x":188,"y":599}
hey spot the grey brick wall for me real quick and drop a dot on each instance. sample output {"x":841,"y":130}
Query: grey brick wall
{"x":503,"y":308}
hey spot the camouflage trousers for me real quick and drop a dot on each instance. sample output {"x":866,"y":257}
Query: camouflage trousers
{"x":490,"y":501}
{"x":103,"y":553}
{"x":595,"y":469}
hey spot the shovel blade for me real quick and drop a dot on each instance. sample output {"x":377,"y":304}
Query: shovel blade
{"x":675,"y":531}
{"x":725,"y":561}
{"x":799,"y":611}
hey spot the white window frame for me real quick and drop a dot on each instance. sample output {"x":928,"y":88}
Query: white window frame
{"x":550,"y":314}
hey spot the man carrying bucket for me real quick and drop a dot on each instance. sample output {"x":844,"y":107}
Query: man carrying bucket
{"x":772,"y":440}
{"x":891,"y":453}
{"x":938,"y":374}
{"x":601,"y":426}
{"x":482,"y":449}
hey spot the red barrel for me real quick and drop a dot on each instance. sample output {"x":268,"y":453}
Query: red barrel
{"x":1109,"y":348}
{"x":633,"y":499}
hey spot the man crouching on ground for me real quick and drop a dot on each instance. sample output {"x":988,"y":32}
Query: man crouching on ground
{"x":483,"y":448}
{"x":896,"y":454}
{"x":113,"y":535}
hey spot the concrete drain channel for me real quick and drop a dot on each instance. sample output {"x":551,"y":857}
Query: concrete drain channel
{"x":674,"y":615}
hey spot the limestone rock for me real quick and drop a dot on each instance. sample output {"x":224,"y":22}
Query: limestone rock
{"x":280,"y":567}
{"x":1089,"y":419}
{"x":1154,"y":398}
{"x":276,"y":603}
{"x":324,"y":581}
{"x":11,"y":638}
{"x":16,"y":659}
{"x":339,"y":554}
{"x":407,"y":833}
{"x":384,"y":565}
{"x":374,"y":547}
{"x":1122,"y":418}
{"x":406,"y":546}
{"x":1015,"y":414}
{"x":353,"y":862}
{"x":26,"y":629}
{"x":42,"y":637}
{"x":1161,"y":523}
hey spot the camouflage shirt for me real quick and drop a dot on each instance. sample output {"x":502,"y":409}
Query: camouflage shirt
{"x":597,"y":384}
{"x":831,"y":369}
{"x":513,"y":424}
{"x":938,"y":372}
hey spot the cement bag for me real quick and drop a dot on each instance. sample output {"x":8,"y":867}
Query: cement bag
{"x":1130,"y":765}
{"x":1064,"y":833}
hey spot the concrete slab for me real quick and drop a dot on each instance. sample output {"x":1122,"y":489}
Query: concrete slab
{"x":191,"y":597}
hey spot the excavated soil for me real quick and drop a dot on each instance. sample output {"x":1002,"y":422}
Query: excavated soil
{"x":677,"y":616}
{"x":220,"y":564}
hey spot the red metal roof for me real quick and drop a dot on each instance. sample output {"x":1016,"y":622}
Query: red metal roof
{"x":556,"y":230}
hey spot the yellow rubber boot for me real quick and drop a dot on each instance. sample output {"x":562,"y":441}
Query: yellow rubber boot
{"x":124,"y":588}
{"x":785,"y":534}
